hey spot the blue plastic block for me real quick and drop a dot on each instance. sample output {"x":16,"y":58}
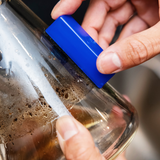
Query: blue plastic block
{"x":79,"y":46}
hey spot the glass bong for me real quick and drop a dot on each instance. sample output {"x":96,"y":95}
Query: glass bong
{"x":38,"y":84}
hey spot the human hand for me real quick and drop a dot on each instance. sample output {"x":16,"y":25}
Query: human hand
{"x":76,"y":141}
{"x":101,"y":21}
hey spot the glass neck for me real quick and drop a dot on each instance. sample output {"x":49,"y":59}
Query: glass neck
{"x":29,"y":18}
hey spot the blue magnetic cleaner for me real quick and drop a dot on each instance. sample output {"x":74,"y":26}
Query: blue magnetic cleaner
{"x":79,"y":46}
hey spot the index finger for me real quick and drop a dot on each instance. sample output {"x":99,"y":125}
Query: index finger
{"x":65,"y":7}
{"x":97,"y":13}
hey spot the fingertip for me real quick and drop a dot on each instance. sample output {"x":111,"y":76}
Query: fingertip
{"x":65,"y":7}
{"x":53,"y":16}
{"x":98,"y":64}
{"x":56,"y":12}
{"x":109,"y":62}
{"x":66,"y":127}
{"x":61,"y":141}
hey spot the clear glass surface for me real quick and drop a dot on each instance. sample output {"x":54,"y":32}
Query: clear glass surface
{"x":38,"y":84}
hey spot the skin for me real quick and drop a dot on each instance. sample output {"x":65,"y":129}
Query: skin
{"x":138,"y":42}
{"x":76,"y":142}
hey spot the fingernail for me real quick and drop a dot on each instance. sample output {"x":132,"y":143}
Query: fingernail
{"x":66,"y":128}
{"x":109,"y":63}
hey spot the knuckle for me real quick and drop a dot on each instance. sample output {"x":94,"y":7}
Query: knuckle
{"x":138,"y":51}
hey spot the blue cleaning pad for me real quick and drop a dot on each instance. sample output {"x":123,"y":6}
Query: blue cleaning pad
{"x":79,"y":46}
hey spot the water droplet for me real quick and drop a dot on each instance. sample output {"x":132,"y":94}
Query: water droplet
{"x":79,"y":80}
{"x":17,"y":51}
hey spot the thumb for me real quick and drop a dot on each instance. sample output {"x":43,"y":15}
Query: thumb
{"x":131,"y":51}
{"x":75,"y":140}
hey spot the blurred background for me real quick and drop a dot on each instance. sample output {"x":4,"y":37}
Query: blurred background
{"x":141,"y":84}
